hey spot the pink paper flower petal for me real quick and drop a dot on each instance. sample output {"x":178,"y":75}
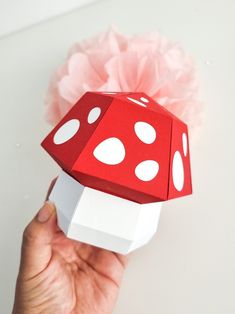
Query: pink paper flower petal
{"x":147,"y":63}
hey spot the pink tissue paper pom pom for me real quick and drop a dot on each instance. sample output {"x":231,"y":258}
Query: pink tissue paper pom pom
{"x":109,"y":62}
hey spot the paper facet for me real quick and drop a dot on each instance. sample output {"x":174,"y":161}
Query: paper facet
{"x":101,"y":219}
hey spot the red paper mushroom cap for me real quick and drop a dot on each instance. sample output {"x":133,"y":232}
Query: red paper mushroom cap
{"x":124,"y":144}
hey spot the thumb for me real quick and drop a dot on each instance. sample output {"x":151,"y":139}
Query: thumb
{"x":36,"y":249}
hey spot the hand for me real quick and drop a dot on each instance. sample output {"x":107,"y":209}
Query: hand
{"x":62,"y":276}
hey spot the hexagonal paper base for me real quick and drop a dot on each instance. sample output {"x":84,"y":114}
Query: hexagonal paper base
{"x":101,"y":219}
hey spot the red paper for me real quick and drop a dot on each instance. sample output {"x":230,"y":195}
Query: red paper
{"x":124,"y":144}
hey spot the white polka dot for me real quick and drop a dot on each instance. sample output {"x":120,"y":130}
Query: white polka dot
{"x":147,"y":170}
{"x":145,"y":132}
{"x":144,"y":99}
{"x":93,"y":115}
{"x":185,"y":144}
{"x":178,"y":171}
{"x":136,"y":101}
{"x":66,"y":131}
{"x":111,"y":151}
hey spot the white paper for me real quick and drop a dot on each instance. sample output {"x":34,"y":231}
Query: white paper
{"x":101,"y":219}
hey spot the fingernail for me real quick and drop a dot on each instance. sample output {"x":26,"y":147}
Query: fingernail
{"x":46,"y":212}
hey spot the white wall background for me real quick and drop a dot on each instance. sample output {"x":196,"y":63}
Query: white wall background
{"x":189,"y":267}
{"x":16,"y":15}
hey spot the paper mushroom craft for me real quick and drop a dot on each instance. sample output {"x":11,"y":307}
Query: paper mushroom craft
{"x":122,"y":155}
